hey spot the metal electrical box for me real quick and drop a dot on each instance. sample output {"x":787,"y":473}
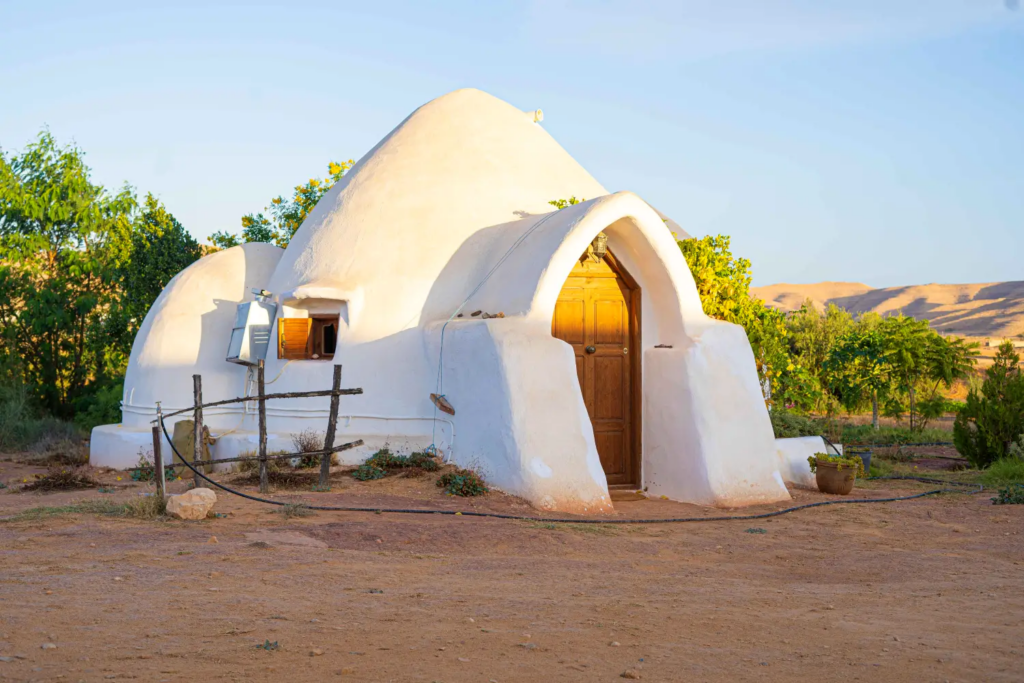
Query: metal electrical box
{"x":250,"y":336}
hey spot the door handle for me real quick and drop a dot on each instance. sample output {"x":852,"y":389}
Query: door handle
{"x":591,"y":349}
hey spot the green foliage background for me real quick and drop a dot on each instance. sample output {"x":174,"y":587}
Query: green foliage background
{"x":80,"y":266}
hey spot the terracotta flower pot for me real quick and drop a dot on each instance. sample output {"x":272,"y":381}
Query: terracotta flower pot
{"x":833,"y":480}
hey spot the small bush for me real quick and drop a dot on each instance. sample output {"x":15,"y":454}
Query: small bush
{"x":1004,"y":471}
{"x":853,"y":462}
{"x":384,"y":461}
{"x":424,"y":461}
{"x":993,"y":418}
{"x":62,"y":479}
{"x":1010,"y":495}
{"x":311,"y":441}
{"x":368,"y":472}
{"x":146,"y":469}
{"x":460,"y":482}
{"x":63,"y":446}
{"x":100,"y":406}
{"x":21,"y":428}
{"x":145,"y":507}
{"x":789,"y":425}
{"x":254,"y":465}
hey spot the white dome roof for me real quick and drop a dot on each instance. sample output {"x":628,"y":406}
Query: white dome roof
{"x":187,"y":329}
{"x":458,"y":165}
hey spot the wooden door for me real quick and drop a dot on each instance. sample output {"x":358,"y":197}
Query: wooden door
{"x":594,"y":315}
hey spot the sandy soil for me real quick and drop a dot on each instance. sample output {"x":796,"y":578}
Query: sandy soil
{"x":924,"y":590}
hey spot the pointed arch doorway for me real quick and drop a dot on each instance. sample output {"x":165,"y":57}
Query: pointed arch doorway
{"x":598,"y":314}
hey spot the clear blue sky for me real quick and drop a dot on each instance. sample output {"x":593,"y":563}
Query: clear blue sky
{"x":879,"y":141}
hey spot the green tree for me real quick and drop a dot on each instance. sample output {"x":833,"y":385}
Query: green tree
{"x":159,"y":249}
{"x":723,"y":283}
{"x":79,"y":268}
{"x":922,"y":360}
{"x":62,"y":238}
{"x":858,"y":370}
{"x":992,"y":419}
{"x":278,"y":222}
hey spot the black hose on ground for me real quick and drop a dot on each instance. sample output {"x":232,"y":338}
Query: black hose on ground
{"x":978,"y":488}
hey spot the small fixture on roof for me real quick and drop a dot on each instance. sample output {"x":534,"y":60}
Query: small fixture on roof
{"x":600,"y":245}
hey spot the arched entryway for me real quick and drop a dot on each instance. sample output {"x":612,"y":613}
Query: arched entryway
{"x":598,"y":314}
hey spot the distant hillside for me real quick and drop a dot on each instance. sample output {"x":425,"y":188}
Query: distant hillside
{"x":994,"y":309}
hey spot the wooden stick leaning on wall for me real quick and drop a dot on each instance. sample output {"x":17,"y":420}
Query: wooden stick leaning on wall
{"x":197,"y":427}
{"x":332,"y":423}
{"x":264,"y":480}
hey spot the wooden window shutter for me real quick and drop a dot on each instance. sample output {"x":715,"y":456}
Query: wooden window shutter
{"x":293,"y":339}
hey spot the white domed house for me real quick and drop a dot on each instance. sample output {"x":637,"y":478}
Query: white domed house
{"x":590,"y":364}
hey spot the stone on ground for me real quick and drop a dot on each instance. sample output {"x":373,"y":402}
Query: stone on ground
{"x":194,"y":504}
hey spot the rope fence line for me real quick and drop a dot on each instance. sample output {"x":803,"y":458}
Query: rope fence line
{"x":329,"y":449}
{"x":261,"y":398}
{"x":978,"y":488}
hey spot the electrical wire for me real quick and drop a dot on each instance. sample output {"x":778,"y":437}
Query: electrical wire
{"x":978,"y":488}
{"x":432,"y":448}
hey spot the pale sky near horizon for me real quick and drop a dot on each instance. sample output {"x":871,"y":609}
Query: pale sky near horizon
{"x":876,"y":141}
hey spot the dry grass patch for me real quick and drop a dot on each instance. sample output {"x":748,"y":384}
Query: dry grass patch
{"x":62,"y":478}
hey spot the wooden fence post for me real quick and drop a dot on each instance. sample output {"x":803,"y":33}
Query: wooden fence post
{"x":158,"y":463}
{"x":264,"y":481}
{"x":332,"y":422}
{"x":197,"y":427}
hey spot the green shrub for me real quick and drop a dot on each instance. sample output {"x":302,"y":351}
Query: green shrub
{"x":368,"y":472}
{"x":787,"y":425}
{"x":424,"y":461}
{"x":1010,"y":495}
{"x":22,"y":427}
{"x":1004,"y":471}
{"x":100,"y":406}
{"x":461,"y":482}
{"x":854,"y":462}
{"x":146,"y":470}
{"x":992,"y":419}
{"x":387,"y":461}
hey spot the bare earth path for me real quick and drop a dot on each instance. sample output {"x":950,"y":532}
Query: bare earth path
{"x":927,"y":590}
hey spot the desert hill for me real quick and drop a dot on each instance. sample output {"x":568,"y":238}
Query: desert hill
{"x":994,"y":309}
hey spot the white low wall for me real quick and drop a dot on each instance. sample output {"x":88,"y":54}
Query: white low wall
{"x":520,"y":415}
{"x":707,"y":436}
{"x":792,"y":458}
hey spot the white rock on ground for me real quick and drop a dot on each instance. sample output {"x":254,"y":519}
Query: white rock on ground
{"x":194,"y":504}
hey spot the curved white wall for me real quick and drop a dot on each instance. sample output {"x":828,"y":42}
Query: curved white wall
{"x":457,"y":194}
{"x":187,"y":332}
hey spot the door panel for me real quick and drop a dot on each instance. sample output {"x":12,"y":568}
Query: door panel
{"x":609,"y":372}
{"x":609,"y":447}
{"x":568,"y":321}
{"x":609,"y":318}
{"x":592,"y":314}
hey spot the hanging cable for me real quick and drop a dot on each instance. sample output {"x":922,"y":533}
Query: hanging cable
{"x":978,"y":488}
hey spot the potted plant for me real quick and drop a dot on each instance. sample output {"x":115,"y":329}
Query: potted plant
{"x":835,"y":473}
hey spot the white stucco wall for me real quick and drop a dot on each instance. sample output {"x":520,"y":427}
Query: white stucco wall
{"x":451,"y":209}
{"x":520,"y":422}
{"x":792,"y":458}
{"x":187,"y":331}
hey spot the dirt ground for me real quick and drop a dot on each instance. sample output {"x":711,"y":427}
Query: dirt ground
{"x":922,"y":590}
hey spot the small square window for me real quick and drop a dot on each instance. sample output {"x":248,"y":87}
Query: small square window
{"x":312,"y":338}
